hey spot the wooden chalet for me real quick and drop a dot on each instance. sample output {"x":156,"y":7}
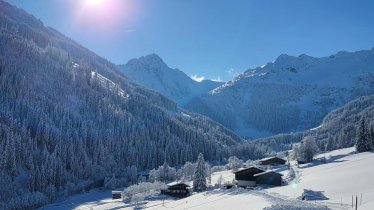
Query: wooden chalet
{"x":245,"y":177}
{"x":269,"y":178}
{"x":273,"y":161}
{"x":116,"y":195}
{"x":177,"y":190}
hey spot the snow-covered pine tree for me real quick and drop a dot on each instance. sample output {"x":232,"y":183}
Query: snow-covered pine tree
{"x":305,"y":150}
{"x":309,"y":148}
{"x":208,"y":170}
{"x":371,"y":136}
{"x":362,"y":143}
{"x":199,"y":182}
{"x":234,"y":163}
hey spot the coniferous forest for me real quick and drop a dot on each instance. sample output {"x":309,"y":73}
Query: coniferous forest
{"x":70,"y":121}
{"x":64,"y":126}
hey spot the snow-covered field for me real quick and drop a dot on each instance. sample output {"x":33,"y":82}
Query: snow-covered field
{"x":342,"y":175}
{"x":345,"y":174}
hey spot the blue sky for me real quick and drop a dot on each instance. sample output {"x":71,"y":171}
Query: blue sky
{"x":211,"y":38}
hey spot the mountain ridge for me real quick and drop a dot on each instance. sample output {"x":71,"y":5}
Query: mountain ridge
{"x":151,"y":72}
{"x":295,"y":92}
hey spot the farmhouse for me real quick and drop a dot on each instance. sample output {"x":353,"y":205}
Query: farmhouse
{"x":253,"y":176}
{"x":273,"y":161}
{"x":269,"y":178}
{"x":176,"y":190}
{"x":245,"y":177}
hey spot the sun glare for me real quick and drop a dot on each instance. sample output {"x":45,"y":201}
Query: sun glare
{"x":94,"y":2}
{"x":102,"y":18}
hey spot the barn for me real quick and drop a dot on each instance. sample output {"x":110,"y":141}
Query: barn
{"x":245,"y":177}
{"x":269,"y":178}
{"x":273,"y":161}
{"x":177,"y":190}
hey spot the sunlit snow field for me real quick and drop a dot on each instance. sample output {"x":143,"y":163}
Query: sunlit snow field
{"x":342,"y":175}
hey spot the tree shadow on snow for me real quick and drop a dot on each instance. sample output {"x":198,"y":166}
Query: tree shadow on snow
{"x":232,"y":191}
{"x":324,"y":160}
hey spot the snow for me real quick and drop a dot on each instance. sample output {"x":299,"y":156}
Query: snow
{"x":338,"y":175}
{"x":269,"y":158}
{"x":179,"y":182}
{"x":151,"y":72}
{"x":227,"y":176}
{"x":83,"y":201}
{"x":292,"y":94}
{"x":345,"y":174}
{"x":185,"y":115}
{"x":109,"y":84}
{"x":224,"y":199}
{"x":267,"y":172}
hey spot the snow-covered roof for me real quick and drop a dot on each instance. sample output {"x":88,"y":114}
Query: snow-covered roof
{"x":116,"y":192}
{"x":244,"y":169}
{"x":177,"y":183}
{"x":269,"y":158}
{"x":267,"y":172}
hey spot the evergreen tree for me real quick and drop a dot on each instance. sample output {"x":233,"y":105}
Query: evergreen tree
{"x":362,"y":143}
{"x":371,"y":136}
{"x":305,"y":150}
{"x":234,"y":163}
{"x":199,"y":182}
{"x":310,"y":148}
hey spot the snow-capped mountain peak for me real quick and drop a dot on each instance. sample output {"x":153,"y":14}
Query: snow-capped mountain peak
{"x":150,"y":62}
{"x":151,"y":72}
{"x":295,"y":92}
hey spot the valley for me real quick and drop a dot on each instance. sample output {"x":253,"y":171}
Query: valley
{"x":80,"y":131}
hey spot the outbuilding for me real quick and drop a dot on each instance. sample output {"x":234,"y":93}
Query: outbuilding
{"x":177,"y":190}
{"x":269,"y":178}
{"x":116,"y":195}
{"x":273,"y":161}
{"x":245,"y":177}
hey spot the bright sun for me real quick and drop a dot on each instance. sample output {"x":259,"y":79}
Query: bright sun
{"x":94,"y":2}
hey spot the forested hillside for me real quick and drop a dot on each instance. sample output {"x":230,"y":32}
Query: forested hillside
{"x":69,"y":119}
{"x":338,"y":130}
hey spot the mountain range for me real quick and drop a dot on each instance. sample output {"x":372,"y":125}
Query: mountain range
{"x":287,"y":95}
{"x":71,"y":120}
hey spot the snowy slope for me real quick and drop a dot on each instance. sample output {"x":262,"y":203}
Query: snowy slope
{"x":345,"y":174}
{"x":289,"y":94}
{"x":338,"y":175}
{"x":150,"y":71}
{"x":201,"y":201}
